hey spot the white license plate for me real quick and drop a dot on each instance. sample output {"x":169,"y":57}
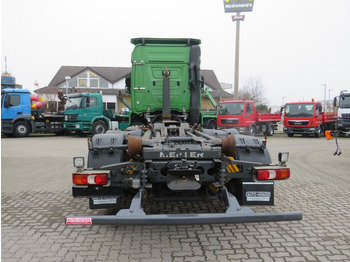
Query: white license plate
{"x":102,"y":201}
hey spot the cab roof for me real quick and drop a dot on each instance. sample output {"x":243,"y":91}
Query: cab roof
{"x":184,"y":41}
{"x":14,"y":90}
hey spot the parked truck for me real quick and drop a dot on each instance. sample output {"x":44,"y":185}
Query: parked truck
{"x":167,"y":154}
{"x":307,"y":118}
{"x":342,"y":102}
{"x":19,"y":119}
{"x":84,"y":113}
{"x":243,"y":116}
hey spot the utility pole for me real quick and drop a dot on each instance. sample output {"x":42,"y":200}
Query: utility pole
{"x":324,"y":98}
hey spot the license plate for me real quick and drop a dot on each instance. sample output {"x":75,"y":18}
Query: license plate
{"x":103,"y":201}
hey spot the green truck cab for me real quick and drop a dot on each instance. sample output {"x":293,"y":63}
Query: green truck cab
{"x":84,"y":113}
{"x":151,"y":61}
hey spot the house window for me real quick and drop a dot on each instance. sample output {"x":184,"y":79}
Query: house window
{"x":111,"y":106}
{"x":91,"y":80}
{"x":82,"y":82}
{"x":94,"y":80}
{"x":87,"y":79}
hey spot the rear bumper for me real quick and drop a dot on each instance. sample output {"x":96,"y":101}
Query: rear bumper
{"x":245,"y":215}
{"x":135,"y":215}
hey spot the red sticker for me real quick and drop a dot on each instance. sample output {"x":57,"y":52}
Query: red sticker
{"x":78,"y":220}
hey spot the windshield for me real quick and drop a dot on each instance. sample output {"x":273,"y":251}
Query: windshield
{"x":231,"y":108}
{"x":74,"y":102}
{"x":344,"y":102}
{"x":305,"y":110}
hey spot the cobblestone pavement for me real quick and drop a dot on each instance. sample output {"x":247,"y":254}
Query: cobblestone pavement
{"x":36,"y":195}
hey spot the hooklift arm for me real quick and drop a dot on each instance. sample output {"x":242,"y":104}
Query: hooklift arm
{"x":210,"y":97}
{"x":135,"y":215}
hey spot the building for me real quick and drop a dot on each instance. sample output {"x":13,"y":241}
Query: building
{"x":110,"y":81}
{"x":8,"y":81}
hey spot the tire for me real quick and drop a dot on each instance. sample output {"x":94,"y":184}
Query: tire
{"x":290,"y":134}
{"x":211,"y":124}
{"x":269,"y":130}
{"x":21,"y":129}
{"x":60,"y":133}
{"x":99,"y":127}
{"x":252,"y":130}
{"x":319,"y":131}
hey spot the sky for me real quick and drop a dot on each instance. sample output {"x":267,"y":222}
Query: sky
{"x":298,"y":49}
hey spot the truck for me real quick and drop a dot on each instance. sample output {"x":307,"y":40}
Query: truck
{"x":19,"y":119}
{"x":84,"y":113}
{"x":342,"y":102}
{"x":166,"y":153}
{"x":243,"y":116}
{"x":307,"y":118}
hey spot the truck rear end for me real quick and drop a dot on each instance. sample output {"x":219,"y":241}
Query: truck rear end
{"x":167,"y":155}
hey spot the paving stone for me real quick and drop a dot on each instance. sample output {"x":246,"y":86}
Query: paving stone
{"x":34,"y":205}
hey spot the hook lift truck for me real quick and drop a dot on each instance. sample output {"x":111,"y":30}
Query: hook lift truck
{"x":166,"y":153}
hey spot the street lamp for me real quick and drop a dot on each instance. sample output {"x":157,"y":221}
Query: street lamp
{"x":329,"y":94}
{"x":283,"y":101}
{"x":324,"y":103}
{"x":67,"y":83}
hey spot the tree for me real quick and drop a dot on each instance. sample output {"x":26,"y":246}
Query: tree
{"x":253,"y":89}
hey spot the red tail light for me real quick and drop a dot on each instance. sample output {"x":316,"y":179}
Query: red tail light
{"x":89,"y":179}
{"x":266,"y":174}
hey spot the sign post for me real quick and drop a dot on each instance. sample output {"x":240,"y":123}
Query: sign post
{"x":237,"y":6}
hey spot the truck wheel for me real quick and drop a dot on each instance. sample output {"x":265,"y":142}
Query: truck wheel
{"x":20,"y":129}
{"x":290,"y":134}
{"x":211,"y":124}
{"x":319,"y":131}
{"x":252,"y":130}
{"x":269,"y":130}
{"x":99,"y":127}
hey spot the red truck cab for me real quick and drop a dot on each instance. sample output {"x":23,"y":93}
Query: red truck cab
{"x":306,"y":118}
{"x":242,"y":115}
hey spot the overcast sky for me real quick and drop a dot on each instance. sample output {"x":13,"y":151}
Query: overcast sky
{"x":293,"y":46}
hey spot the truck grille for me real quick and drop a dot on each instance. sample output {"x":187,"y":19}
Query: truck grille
{"x":346,"y":116}
{"x":229,"y":121}
{"x":298,"y":122}
{"x":70,"y":117}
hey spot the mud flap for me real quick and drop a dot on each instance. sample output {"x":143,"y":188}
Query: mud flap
{"x":258,"y":193}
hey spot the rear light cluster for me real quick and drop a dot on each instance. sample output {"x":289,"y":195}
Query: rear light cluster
{"x":270,"y":174}
{"x":89,"y":179}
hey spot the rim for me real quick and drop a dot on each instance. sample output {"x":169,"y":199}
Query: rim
{"x":99,"y":129}
{"x":22,"y":129}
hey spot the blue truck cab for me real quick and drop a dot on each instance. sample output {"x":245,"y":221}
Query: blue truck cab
{"x":18,"y":119}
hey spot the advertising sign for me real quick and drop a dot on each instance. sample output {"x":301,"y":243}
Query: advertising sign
{"x":238,"y":5}
{"x":238,"y":17}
